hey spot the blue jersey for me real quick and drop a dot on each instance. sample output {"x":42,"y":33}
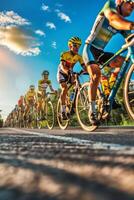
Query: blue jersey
{"x":102,"y":31}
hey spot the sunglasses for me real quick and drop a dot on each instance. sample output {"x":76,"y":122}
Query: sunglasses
{"x":76,"y":45}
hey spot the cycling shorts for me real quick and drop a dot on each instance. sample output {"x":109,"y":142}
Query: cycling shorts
{"x":92,"y":55}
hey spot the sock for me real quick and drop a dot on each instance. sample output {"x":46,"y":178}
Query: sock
{"x":63,"y":108}
{"x":92,"y":106}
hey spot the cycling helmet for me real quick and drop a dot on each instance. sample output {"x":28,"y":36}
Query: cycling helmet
{"x":118,"y":2}
{"x":32,"y":87}
{"x":45,"y":72}
{"x":74,"y":40}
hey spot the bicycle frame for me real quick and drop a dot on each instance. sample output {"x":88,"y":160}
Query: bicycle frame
{"x":125,"y":66}
{"x":76,"y":85}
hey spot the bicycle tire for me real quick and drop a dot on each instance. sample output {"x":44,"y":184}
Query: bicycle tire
{"x":63,"y":124}
{"x":84,"y":120}
{"x":128,"y":94}
{"x":51,"y":121}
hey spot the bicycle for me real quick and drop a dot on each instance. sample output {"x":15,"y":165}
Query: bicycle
{"x":20,"y":117}
{"x":30,"y":119}
{"x":73,"y":89}
{"x":47,"y":114}
{"x":103,"y":103}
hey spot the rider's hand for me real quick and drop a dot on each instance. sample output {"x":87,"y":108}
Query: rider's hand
{"x":83,"y":71}
{"x":132,"y":26}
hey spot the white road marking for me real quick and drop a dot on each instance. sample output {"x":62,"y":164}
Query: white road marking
{"x":92,"y":144}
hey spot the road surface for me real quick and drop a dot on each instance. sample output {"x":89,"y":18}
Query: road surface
{"x":67,"y":165}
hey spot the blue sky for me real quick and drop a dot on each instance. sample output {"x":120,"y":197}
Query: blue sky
{"x":32,"y":36}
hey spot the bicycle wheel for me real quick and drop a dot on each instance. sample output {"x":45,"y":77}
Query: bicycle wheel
{"x":62,"y":123}
{"x":33,"y":118}
{"x":49,"y":114}
{"x":129,"y":92}
{"x":82,"y":108}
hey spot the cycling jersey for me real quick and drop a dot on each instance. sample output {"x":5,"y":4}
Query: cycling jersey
{"x":20,"y":102}
{"x":70,"y":60}
{"x":43,"y":84}
{"x":101,"y":32}
{"x":30,"y":96}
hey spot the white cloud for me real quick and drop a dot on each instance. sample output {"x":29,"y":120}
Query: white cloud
{"x":54,"y":45}
{"x":45,"y":7}
{"x":12,"y":18}
{"x":51,"y":25}
{"x":31,"y":52}
{"x":19,"y":41}
{"x":63,"y":16}
{"x":40,"y":32}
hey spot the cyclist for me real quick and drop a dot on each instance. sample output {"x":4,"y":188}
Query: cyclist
{"x":67,"y":61}
{"x":111,"y":20}
{"x":20,"y":107}
{"x":15,"y":114}
{"x":43,"y":84}
{"x":21,"y":103}
{"x":30,"y":99}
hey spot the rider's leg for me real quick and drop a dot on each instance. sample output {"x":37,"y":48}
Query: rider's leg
{"x":95,"y":74}
{"x":26,"y":110}
{"x":63,"y":98}
{"x":115,"y":64}
{"x":63,"y":79}
{"x":63,"y":95}
{"x":39,"y":106}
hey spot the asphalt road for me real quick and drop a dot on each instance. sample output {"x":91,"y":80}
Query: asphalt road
{"x":67,"y":165}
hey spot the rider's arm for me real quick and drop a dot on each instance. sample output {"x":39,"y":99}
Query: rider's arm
{"x":51,"y":87}
{"x":116,"y":20}
{"x":39,"y":85}
{"x":81,"y":61}
{"x":25,"y":98}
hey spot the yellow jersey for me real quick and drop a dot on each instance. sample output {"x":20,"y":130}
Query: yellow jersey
{"x":30,"y":95}
{"x":71,"y":59}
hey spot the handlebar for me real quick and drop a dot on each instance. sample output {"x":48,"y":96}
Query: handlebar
{"x":82,"y":72}
{"x":129,"y":41}
{"x":49,"y":93}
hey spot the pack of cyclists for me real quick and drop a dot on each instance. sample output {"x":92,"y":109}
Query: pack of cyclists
{"x":110,"y":21}
{"x":33,"y":98}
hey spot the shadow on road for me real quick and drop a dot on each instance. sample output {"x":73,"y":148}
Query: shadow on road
{"x":33,"y":168}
